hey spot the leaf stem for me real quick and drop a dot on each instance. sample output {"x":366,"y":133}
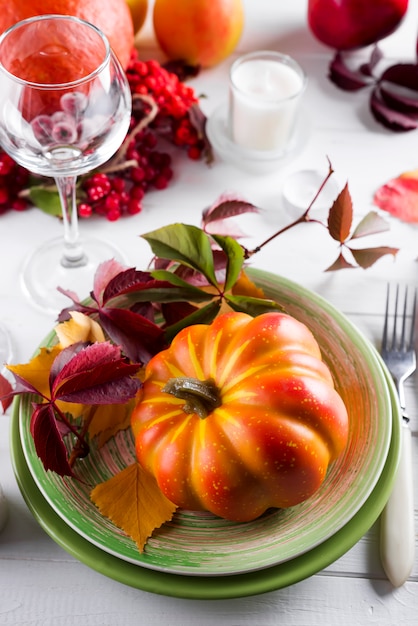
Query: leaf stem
{"x":81,"y":443}
{"x":303,"y":218}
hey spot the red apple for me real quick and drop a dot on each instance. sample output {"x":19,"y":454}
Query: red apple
{"x":350,"y":24}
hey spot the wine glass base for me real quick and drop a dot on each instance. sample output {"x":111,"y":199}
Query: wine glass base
{"x":6,"y":348}
{"x":43,"y":272}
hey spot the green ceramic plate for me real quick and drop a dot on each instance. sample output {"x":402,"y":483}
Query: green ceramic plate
{"x":199,"y":544}
{"x":201,"y":587}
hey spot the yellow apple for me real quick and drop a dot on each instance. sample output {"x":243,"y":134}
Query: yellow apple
{"x":138,"y":9}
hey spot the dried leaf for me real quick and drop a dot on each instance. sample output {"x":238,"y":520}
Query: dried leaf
{"x":367,"y":257}
{"x":79,"y":328}
{"x":109,"y":420}
{"x":340,"y":217}
{"x":399,"y":197}
{"x":36,"y":372}
{"x":246,"y":287}
{"x":340,"y":263}
{"x":133,"y":501}
{"x":371,"y":224}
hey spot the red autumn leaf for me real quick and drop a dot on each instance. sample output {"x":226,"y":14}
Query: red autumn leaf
{"x":48,"y":440}
{"x":104,"y":274}
{"x":138,"y":337}
{"x":213,"y":218}
{"x":399,"y":197}
{"x":6,"y":393}
{"x":97,"y":374}
{"x":130,"y":281}
{"x":340,"y":217}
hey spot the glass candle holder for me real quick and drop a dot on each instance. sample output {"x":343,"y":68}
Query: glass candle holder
{"x":265,"y":90}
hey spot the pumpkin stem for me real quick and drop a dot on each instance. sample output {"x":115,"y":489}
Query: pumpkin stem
{"x":201,"y":396}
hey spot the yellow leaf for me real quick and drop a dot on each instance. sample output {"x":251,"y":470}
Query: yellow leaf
{"x":244,"y":286}
{"x":36,"y":372}
{"x":133,"y":501}
{"x":109,"y":419}
{"x":79,"y":328}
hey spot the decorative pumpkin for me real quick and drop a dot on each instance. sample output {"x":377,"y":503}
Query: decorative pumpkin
{"x":239,"y":416}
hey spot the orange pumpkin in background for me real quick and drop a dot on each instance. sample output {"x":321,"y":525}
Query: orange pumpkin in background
{"x":113,"y":17}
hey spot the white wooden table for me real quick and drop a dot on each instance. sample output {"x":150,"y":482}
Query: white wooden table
{"x":40,"y":584}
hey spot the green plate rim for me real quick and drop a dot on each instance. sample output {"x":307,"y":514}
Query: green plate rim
{"x":201,"y":587}
{"x":212,"y":587}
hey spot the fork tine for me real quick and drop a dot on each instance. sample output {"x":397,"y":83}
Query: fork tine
{"x":413,"y":323}
{"x":386,"y":322}
{"x":395,"y":318}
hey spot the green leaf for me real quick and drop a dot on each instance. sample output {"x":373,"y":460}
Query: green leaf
{"x":252,"y":306}
{"x":161,"y":294}
{"x":46,"y":200}
{"x":204,"y":315}
{"x":235,"y":258}
{"x":191,"y":292}
{"x":184,"y":243}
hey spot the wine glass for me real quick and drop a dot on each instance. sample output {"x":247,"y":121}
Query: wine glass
{"x":65,"y":108}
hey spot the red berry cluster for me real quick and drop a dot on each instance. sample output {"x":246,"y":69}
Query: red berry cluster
{"x":13,"y":178}
{"x":161,"y":112}
{"x":118,"y":191}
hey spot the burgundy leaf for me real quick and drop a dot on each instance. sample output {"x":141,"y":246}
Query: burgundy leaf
{"x":198,"y":121}
{"x":6,"y":393}
{"x":394,"y":120}
{"x":225,"y":207}
{"x":138,"y":337}
{"x":48,"y":441}
{"x":126,"y":282}
{"x":96,"y":375}
{"x":77,"y":305}
{"x":104,"y":274}
{"x":346,"y":78}
{"x":62,"y":359}
{"x":175,"y":311}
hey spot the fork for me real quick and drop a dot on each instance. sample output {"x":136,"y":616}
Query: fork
{"x":397,"y":534}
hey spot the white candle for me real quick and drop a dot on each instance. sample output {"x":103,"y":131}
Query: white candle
{"x":265,"y":90}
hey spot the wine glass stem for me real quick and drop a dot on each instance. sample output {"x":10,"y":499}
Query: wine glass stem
{"x":73,"y":253}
